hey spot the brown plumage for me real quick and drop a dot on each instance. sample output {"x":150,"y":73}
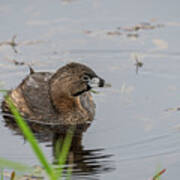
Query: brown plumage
{"x":61,"y":98}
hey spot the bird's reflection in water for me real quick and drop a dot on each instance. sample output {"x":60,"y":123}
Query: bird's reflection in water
{"x":85,"y":163}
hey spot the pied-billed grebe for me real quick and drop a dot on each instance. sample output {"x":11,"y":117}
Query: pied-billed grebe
{"x":60,"y":98}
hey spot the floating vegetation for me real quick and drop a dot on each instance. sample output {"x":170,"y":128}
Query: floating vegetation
{"x":142,"y":26}
{"x":114,"y":33}
{"x":129,"y":32}
{"x":14,"y":44}
{"x":157,"y":175}
{"x":138,"y":63}
{"x":17,"y":63}
{"x":11,"y":175}
{"x":11,"y":43}
{"x":133,"y":35}
{"x":5,"y":175}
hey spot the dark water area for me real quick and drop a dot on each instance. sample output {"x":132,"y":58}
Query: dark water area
{"x":133,"y":45}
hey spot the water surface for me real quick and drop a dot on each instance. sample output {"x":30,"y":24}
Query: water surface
{"x":136,"y":128}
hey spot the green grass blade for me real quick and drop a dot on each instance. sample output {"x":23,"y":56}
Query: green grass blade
{"x":31,"y":139}
{"x":4,"y":163}
{"x":65,"y":150}
{"x":2,"y":175}
{"x":58,"y":149}
{"x":157,"y":176}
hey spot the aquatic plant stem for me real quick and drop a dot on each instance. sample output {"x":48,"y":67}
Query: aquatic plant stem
{"x":65,"y":150}
{"x":31,"y":139}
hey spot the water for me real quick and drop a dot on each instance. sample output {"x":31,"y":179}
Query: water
{"x":134,"y":132}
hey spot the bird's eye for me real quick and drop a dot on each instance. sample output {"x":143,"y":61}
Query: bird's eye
{"x":85,"y":77}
